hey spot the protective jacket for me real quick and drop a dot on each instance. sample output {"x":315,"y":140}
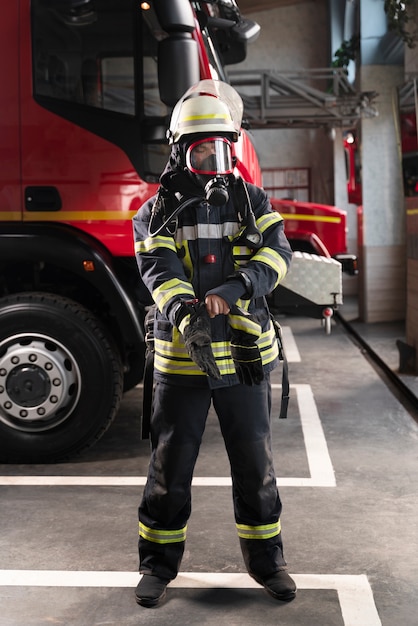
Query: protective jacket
{"x":200,"y":252}
{"x":187,"y":249}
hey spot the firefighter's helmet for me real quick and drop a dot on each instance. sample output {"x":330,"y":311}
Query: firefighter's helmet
{"x":209,"y":107}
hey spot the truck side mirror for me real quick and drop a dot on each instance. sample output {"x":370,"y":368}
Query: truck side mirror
{"x":178,"y":66}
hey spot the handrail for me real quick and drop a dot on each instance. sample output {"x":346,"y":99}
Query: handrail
{"x":301,"y":98}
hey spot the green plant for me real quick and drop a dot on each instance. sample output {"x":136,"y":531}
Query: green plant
{"x":346,"y":52}
{"x":399,"y":15}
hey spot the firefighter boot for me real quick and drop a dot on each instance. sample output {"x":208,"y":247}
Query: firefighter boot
{"x":150,"y":590}
{"x":266,"y":564}
{"x":279,"y":585}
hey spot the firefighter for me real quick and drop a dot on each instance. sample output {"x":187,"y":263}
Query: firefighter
{"x":209,"y":248}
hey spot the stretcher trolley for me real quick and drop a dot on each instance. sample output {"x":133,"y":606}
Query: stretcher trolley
{"x":312,"y":287}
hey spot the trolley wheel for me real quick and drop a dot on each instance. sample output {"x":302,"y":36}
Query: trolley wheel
{"x":327,"y":314}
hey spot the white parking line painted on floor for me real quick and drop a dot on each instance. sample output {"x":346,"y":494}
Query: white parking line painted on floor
{"x":290,"y":347}
{"x":354,"y":592}
{"x":319,"y":461}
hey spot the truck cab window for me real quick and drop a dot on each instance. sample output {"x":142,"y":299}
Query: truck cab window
{"x":85,"y":56}
{"x":92,"y":60}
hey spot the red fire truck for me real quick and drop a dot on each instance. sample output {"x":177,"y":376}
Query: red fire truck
{"x":87,"y":91}
{"x":408,"y":136}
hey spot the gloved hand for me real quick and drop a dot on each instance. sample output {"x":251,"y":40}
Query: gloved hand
{"x":244,"y":350}
{"x":192,"y":320}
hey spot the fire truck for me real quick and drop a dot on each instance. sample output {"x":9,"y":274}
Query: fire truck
{"x":409,"y":152}
{"x":88,"y":88}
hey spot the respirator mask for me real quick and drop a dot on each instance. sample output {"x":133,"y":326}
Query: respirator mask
{"x":211,"y":160}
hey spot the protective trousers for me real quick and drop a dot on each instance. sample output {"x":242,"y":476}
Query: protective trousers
{"x":177,"y":426}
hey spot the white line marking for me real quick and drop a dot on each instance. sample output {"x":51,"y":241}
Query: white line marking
{"x":68,"y":481}
{"x":290,"y":347}
{"x":320,"y":466}
{"x":354,"y":592}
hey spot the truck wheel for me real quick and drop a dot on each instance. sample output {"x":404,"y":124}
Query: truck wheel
{"x":61,"y":378}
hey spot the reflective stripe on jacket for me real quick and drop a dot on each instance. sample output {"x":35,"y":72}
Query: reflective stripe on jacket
{"x":173,"y":266}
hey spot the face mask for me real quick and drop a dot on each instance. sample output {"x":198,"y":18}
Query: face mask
{"x":211,"y":160}
{"x":216,"y":189}
{"x":210,"y":156}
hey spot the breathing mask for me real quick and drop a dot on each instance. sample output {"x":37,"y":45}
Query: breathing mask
{"x":211,"y":160}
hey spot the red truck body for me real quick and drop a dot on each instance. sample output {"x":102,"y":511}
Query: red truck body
{"x":409,"y":151}
{"x":313,"y":227}
{"x":90,"y":87}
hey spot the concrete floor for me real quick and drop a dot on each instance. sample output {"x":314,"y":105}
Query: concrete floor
{"x":347,"y":466}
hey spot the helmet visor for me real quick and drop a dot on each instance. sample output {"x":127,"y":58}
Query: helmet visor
{"x":210,"y":156}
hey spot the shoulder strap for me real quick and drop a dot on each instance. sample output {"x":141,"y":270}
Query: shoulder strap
{"x":285,"y":372}
{"x":148,"y":383}
{"x":251,"y":236}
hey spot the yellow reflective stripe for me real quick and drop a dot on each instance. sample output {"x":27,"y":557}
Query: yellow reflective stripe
{"x":117,"y":216}
{"x":269,"y":353}
{"x":173,"y":358}
{"x":181,"y":368}
{"x":173,"y":287}
{"x":186,"y":258}
{"x":241,"y":251}
{"x":222,"y":354}
{"x":311,"y":218}
{"x":234,"y":236}
{"x":189,"y":368}
{"x":184,"y":322}
{"x":162,"y":536}
{"x":265,"y":221}
{"x":153,"y":243}
{"x":177,"y":349}
{"x":220,"y":349}
{"x":174,"y":348}
{"x":243,"y":304}
{"x":12,"y":216}
{"x":245,"y":324}
{"x":239,"y":263}
{"x":268,"y":338}
{"x":211,"y":116}
{"x":273,"y":259}
{"x":78,"y":216}
{"x":241,"y":255}
{"x":259,"y":532}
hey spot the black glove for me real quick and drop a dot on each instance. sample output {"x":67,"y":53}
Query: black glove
{"x":193,"y":321}
{"x":244,"y":350}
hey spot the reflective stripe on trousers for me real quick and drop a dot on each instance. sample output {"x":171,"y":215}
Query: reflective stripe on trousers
{"x":177,"y":426}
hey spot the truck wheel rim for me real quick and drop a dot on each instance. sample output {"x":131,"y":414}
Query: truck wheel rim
{"x":40,"y":382}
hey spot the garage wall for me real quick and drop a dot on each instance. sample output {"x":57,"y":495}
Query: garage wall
{"x":294,"y":37}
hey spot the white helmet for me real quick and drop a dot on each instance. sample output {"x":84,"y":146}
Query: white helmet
{"x":208,"y":107}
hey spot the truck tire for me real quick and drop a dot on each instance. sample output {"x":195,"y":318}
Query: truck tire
{"x":61,"y":378}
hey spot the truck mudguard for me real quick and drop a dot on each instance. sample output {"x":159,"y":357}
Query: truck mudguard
{"x":64,"y":246}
